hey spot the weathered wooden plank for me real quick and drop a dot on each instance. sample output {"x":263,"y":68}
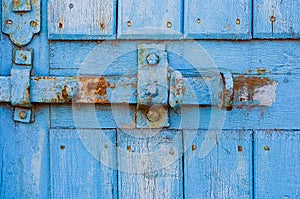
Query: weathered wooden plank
{"x":5,"y":88}
{"x":84,"y":20}
{"x":251,"y":57}
{"x":92,"y":116}
{"x":225,"y":173}
{"x":150,"y":164}
{"x":218,"y":19}
{"x":276,"y":19}
{"x":24,"y":155}
{"x":150,"y":19}
{"x":75,"y":173}
{"x":276,"y":164}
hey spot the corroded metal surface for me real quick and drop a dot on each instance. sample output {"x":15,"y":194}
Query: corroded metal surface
{"x":21,"y":20}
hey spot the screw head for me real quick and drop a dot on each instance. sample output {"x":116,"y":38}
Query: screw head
{"x":152,"y":59}
{"x":153,"y":115}
{"x":22,"y":115}
{"x":272,"y":19}
{"x":198,"y":21}
{"x":169,"y":24}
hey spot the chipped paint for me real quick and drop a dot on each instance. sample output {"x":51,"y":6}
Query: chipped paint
{"x":260,"y":91}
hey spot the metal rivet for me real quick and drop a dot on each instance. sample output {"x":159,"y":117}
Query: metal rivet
{"x":153,"y":115}
{"x":22,"y":115}
{"x":267,"y":148}
{"x":194,"y":147}
{"x":9,"y":22}
{"x":71,"y":5}
{"x":238,"y":21}
{"x":198,"y":21}
{"x":240,"y":148}
{"x":102,"y":25}
{"x":273,"y":19}
{"x":129,"y":24}
{"x":23,"y":57}
{"x":169,"y":24}
{"x":33,"y":23}
{"x":171,"y":152}
{"x":152,"y":59}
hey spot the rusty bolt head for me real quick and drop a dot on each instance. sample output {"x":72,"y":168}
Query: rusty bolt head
{"x":9,"y":22}
{"x":152,"y":59}
{"x":272,"y":19}
{"x":153,"y":115}
{"x":198,"y":21}
{"x":22,"y":115}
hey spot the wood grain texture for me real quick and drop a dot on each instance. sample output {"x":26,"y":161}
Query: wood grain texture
{"x":75,"y":173}
{"x":150,"y":19}
{"x":24,"y":157}
{"x":276,"y":164}
{"x":225,"y":173}
{"x":276,"y":19}
{"x":255,"y":57}
{"x":150,"y":163}
{"x":76,"y":19}
{"x":218,"y":19}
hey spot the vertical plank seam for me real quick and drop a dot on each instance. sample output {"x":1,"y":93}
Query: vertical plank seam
{"x":182,"y":164}
{"x":253,"y":191}
{"x":252,"y":19}
{"x":116,"y":7}
{"x":182,"y":28}
{"x":117,"y":192}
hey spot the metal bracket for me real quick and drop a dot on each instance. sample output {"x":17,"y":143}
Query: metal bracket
{"x":21,"y":19}
{"x":153,"y":86}
{"x":20,"y":84}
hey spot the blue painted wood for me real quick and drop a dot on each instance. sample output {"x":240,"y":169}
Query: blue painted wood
{"x":150,"y":19}
{"x":225,"y":173}
{"x":218,"y":19}
{"x":149,"y":164}
{"x":75,"y":173}
{"x":24,"y":155}
{"x":276,"y":19}
{"x":281,"y":57}
{"x":276,"y":164}
{"x":83,"y":20}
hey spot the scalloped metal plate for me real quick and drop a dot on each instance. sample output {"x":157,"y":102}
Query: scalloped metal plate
{"x":22,"y":23}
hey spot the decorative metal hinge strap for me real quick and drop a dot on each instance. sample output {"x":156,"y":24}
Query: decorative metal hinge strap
{"x":21,"y":19}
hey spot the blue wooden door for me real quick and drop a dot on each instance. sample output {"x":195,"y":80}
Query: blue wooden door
{"x":149,"y":99}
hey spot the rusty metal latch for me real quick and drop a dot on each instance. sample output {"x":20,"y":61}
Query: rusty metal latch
{"x":154,"y":86}
{"x":21,"y":19}
{"x":159,"y":86}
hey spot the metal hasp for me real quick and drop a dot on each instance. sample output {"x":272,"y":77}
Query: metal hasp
{"x":153,"y":86}
{"x":21,"y":19}
{"x":20,"y":84}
